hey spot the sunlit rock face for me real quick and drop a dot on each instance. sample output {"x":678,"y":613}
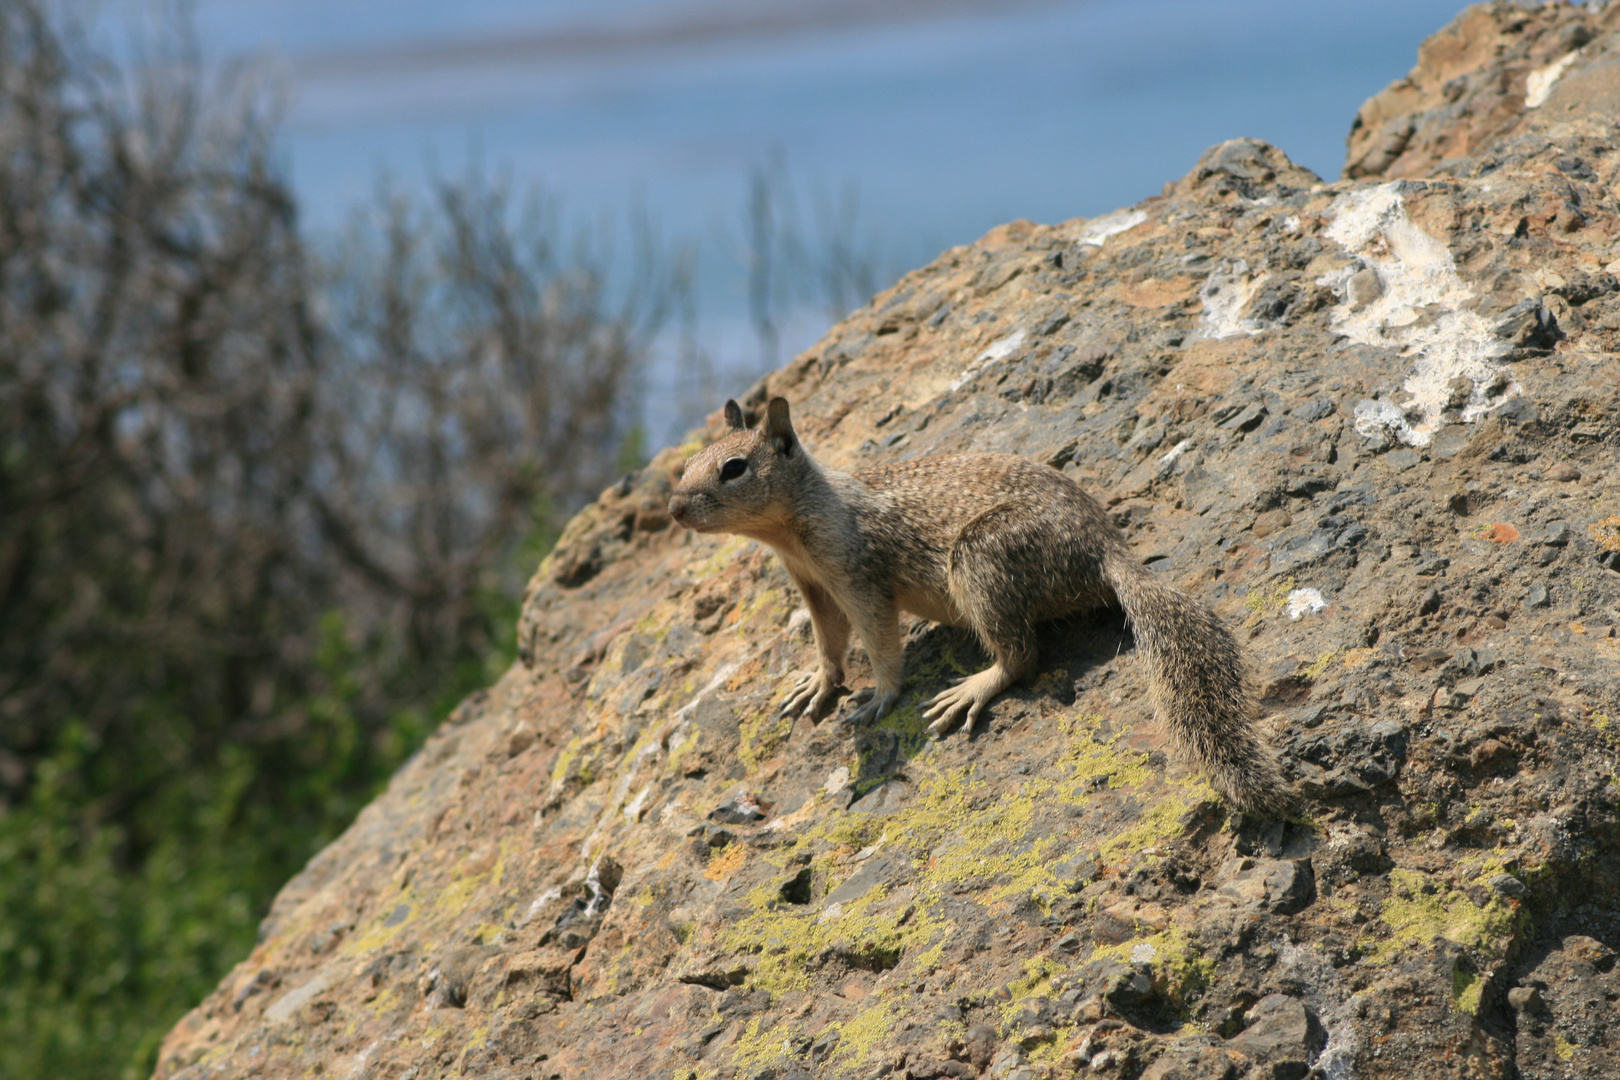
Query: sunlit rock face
{"x":1373,"y":423}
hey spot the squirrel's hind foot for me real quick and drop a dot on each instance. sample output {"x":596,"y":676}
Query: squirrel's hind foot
{"x":965,"y":700}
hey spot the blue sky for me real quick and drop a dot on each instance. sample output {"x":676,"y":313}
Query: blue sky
{"x":947,"y":116}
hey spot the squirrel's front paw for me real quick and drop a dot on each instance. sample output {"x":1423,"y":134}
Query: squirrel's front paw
{"x":812,"y":696}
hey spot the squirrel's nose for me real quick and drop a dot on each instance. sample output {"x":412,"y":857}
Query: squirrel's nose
{"x":677,"y":508}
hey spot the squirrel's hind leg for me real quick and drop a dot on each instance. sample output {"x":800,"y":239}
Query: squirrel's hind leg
{"x":995,"y":581}
{"x":1013,"y":648}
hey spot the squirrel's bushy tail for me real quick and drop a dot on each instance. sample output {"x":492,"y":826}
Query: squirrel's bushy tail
{"x":1200,"y":686}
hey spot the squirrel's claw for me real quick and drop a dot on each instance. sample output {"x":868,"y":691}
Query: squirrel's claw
{"x":812,"y":696}
{"x":797,"y":697}
{"x":875,"y":708}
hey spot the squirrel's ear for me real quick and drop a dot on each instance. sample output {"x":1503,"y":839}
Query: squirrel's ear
{"x":734,"y":416}
{"x":779,"y":428}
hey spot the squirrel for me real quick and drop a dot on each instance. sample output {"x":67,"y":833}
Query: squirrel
{"x":992,"y":542}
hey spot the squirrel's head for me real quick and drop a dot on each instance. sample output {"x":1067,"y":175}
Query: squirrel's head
{"x":740,"y":482}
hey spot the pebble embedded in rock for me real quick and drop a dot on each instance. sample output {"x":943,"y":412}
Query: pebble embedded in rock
{"x":1508,"y":885}
{"x":1284,"y":886}
{"x":1364,"y":287}
{"x":1272,"y":521}
{"x":1283,"y":1036}
{"x":886,"y":798}
{"x":1525,"y":999}
{"x":1555,"y":533}
{"x":1563,"y":472}
{"x":519,"y":739}
{"x":741,"y":809}
{"x":1192,"y":1061}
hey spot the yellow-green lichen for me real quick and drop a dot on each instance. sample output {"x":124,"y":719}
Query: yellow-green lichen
{"x":656,"y":624}
{"x":1421,"y":909}
{"x":973,"y":834}
{"x":761,"y":735}
{"x":1180,"y":968}
{"x":857,"y":1037}
{"x":1162,"y":821}
{"x":788,"y":938}
{"x":756,"y":1049}
{"x":386,"y":1001}
{"x":722,"y":559}
{"x":853,"y":830}
{"x":384,"y":926}
{"x":1008,"y":840}
{"x":680,"y":744}
{"x":479,"y":1036}
{"x":1268,"y":598}
{"x":1035,"y":982}
{"x":771,"y":603}
{"x":1323,"y":662}
{"x":565,"y":759}
{"x":454,"y":896}
{"x":1466,"y":989}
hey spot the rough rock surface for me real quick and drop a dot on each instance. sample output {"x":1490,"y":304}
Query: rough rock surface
{"x":1374,"y":423}
{"x":1499,"y":69}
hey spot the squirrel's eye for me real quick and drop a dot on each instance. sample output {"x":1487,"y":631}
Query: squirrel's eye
{"x":733,"y":468}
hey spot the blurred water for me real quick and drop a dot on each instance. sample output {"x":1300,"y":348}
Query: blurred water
{"x":949,"y":116}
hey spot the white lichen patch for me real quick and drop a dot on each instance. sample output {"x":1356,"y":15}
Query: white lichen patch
{"x":362,"y":1060}
{"x":1539,"y":83}
{"x":1302,"y":602}
{"x":837,"y":780}
{"x":540,"y":903}
{"x":1099,"y":229}
{"x":1227,"y":294}
{"x":995,"y":354}
{"x":638,"y":805}
{"x":675,"y":818}
{"x":1336,"y":1006}
{"x":1419,"y":309}
{"x":1173,"y":453}
{"x":296,"y":999}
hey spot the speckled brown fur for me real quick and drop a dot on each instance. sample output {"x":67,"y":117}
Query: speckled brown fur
{"x":987,"y":541}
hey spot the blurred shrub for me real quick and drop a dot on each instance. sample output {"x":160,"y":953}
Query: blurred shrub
{"x":263,"y":517}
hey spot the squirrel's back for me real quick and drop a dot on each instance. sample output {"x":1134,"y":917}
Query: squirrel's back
{"x":941,"y":493}
{"x":999,"y":525}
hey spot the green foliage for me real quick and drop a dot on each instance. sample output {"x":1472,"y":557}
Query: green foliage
{"x":110,"y":930}
{"x":98,"y":957}
{"x":264,"y":516}
{"x":633,"y":450}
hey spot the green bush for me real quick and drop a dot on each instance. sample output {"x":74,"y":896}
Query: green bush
{"x":110,"y":930}
{"x":264,"y":517}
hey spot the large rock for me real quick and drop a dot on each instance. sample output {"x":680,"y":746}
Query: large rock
{"x":1499,"y":69}
{"x":1373,"y":423}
